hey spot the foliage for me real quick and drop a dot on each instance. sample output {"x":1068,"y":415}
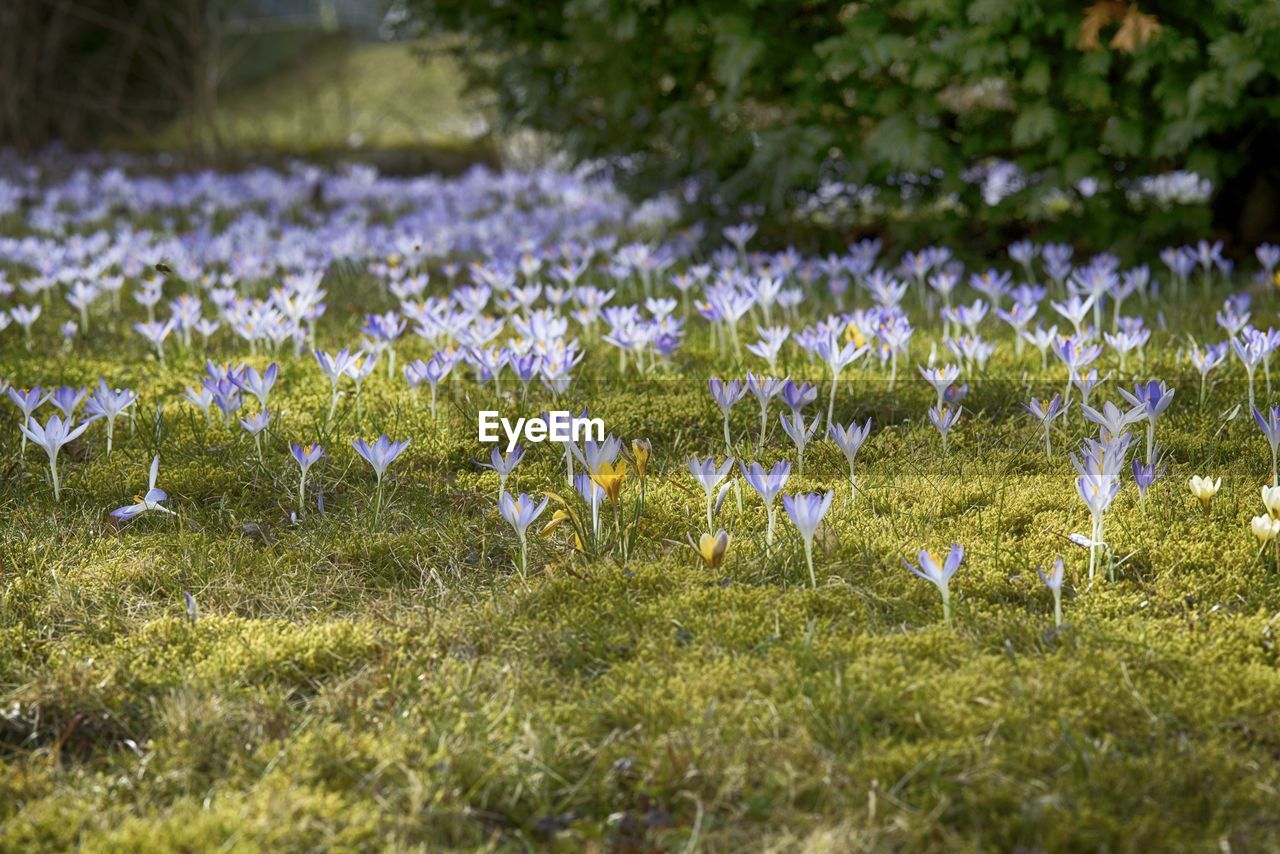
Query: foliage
{"x":765,"y":96}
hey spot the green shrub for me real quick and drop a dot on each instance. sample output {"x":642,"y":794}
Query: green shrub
{"x":763,"y":96}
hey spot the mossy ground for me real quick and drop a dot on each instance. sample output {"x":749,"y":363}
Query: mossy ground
{"x":347,"y":686}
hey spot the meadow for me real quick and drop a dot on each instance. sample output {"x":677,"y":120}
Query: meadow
{"x":266,"y":656}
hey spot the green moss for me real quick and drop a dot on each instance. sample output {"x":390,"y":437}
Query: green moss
{"x":348,"y":687}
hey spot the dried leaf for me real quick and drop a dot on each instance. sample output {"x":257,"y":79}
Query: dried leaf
{"x":1137,"y":29}
{"x":1101,"y":14}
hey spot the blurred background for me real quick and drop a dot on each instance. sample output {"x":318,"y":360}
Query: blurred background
{"x":223,"y":81}
{"x":927,"y":120}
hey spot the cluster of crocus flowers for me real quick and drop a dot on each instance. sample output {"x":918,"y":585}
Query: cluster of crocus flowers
{"x":1267,"y":526}
{"x":606,"y":470}
{"x":1098,"y":468}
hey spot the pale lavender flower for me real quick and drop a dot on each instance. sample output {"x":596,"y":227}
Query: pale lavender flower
{"x":939,"y":574}
{"x":763,"y":389}
{"x":795,"y":428}
{"x":1054,"y":582}
{"x":379,"y":456}
{"x":504,"y":466}
{"x":768,"y":485}
{"x":27,"y":401}
{"x":150,"y":500}
{"x":806,"y":512}
{"x":1046,"y":414}
{"x":306,"y":456}
{"x":110,"y":405}
{"x":709,"y":476}
{"x":520,"y":513}
{"x":254,"y":425}
{"x":850,"y":440}
{"x":726,"y":395}
{"x":943,"y":419}
{"x":52,"y":436}
{"x":940,"y":378}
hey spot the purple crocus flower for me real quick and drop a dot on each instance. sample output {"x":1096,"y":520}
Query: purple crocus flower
{"x":1144,"y":476}
{"x":806,"y":511}
{"x":795,"y":428}
{"x":1270,"y":426}
{"x":1112,"y":420}
{"x":768,"y":485}
{"x":336,"y":367}
{"x":1097,"y":489}
{"x":726,"y":395}
{"x":27,"y":401}
{"x":258,"y":385}
{"x":837,"y":358}
{"x":797,"y":397}
{"x":67,"y":399}
{"x":379,"y":456}
{"x":939,"y":574}
{"x":306,"y":456}
{"x":763,"y":389}
{"x":520,"y":513}
{"x":850,"y":440}
{"x":940,"y":378}
{"x":708,"y":476}
{"x":1046,"y":414}
{"x":254,"y":425}
{"x":150,"y":500}
{"x":108,"y":404}
{"x":1154,"y":398}
{"x":52,"y":436}
{"x":943,"y":418}
{"x":504,"y":466}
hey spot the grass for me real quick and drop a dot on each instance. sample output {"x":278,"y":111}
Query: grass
{"x":345,"y":687}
